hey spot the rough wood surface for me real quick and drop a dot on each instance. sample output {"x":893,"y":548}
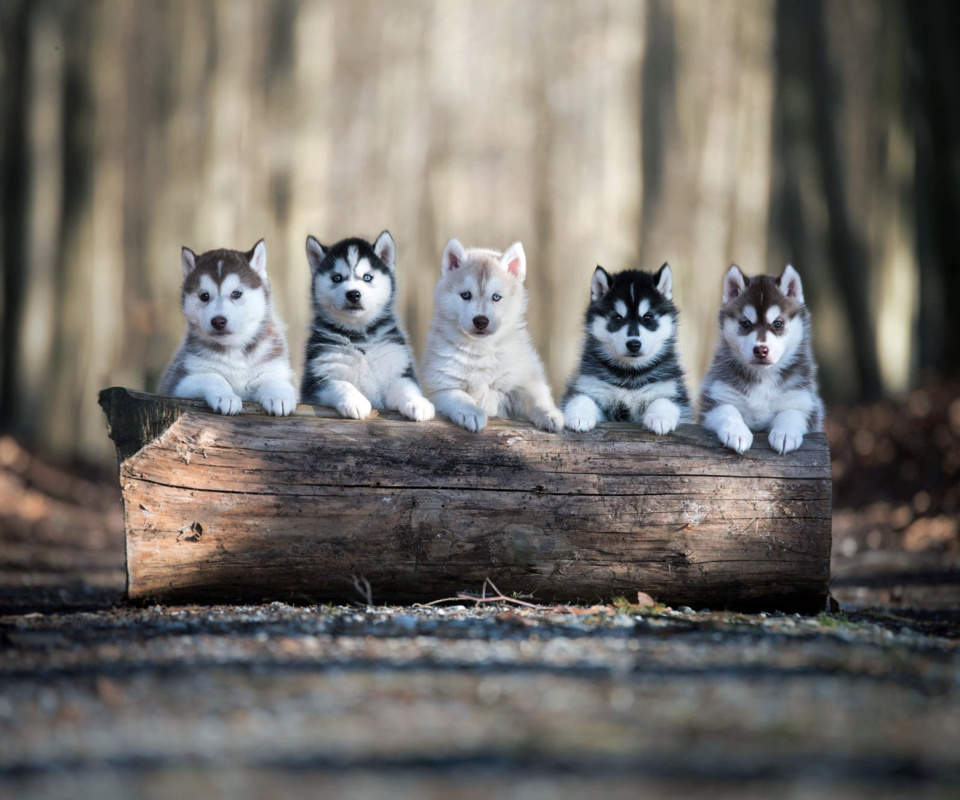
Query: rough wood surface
{"x":253,"y":507}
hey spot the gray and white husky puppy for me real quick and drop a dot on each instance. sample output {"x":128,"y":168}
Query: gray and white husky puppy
{"x":235,"y":347}
{"x":480,"y":360}
{"x":763,"y":376}
{"x":357,"y":354}
{"x":629,"y":369}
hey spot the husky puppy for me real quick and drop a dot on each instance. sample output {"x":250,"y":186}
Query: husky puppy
{"x":357,"y":355}
{"x":763,"y":375}
{"x":629,"y":370}
{"x":480,"y":359}
{"x":235,"y":348}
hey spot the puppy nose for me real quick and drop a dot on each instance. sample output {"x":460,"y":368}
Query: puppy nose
{"x":353,"y":295}
{"x":219,"y":323}
{"x":633,"y":345}
{"x":761,"y":351}
{"x":480,"y":323}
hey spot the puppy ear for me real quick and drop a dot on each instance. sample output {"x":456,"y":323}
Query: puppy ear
{"x":733,"y":284}
{"x":790,"y":284}
{"x":258,"y":258}
{"x":599,"y":284}
{"x":665,"y":281}
{"x":514,"y":261}
{"x":188,"y":260}
{"x":315,"y":254}
{"x":386,"y":250}
{"x":453,"y":256}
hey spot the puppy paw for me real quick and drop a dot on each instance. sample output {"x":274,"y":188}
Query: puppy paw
{"x":736,"y":436}
{"x":471,"y":419}
{"x":661,"y":417}
{"x":354,"y":406}
{"x":225,"y":403}
{"x":581,"y":414}
{"x":419,"y":409}
{"x":550,"y":421}
{"x":280,"y":405}
{"x":785,"y":440}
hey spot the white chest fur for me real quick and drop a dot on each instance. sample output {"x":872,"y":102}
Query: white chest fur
{"x":371,"y":368}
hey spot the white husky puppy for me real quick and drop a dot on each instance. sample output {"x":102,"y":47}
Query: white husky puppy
{"x":235,"y":348}
{"x":763,"y":376}
{"x":480,"y":360}
{"x":357,"y":356}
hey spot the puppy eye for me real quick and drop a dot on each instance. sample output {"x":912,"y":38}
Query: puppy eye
{"x":495,"y":298}
{"x":368,"y":278}
{"x":745,"y":324}
{"x":778,"y":323}
{"x":337,"y":278}
{"x":617,"y":318}
{"x":466,"y":295}
{"x":204,"y":297}
{"x":648,"y":317}
{"x":236,"y":294}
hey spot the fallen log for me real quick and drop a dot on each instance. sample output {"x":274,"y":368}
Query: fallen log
{"x":312,"y":507}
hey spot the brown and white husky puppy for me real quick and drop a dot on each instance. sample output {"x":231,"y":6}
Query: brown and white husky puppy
{"x":235,"y":348}
{"x":763,"y":376}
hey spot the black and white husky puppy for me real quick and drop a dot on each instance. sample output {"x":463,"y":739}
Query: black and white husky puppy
{"x":357,"y":355}
{"x":235,"y":348}
{"x":629,"y":369}
{"x":763,"y":376}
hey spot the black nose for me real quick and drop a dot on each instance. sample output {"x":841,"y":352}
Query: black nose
{"x":761,"y":351}
{"x":633,"y":345}
{"x":353,"y":296}
{"x":219,"y":323}
{"x":480,"y":323}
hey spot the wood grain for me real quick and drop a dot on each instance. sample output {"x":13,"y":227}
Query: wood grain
{"x":252,"y":508}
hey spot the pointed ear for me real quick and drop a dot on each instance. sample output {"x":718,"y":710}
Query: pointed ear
{"x":599,"y":284}
{"x":315,"y":254}
{"x":188,"y":260}
{"x":665,"y":281}
{"x":386,"y":250}
{"x":258,"y":258}
{"x":733,"y":284}
{"x":790,"y":284}
{"x":453,"y":256}
{"x":514,"y":261}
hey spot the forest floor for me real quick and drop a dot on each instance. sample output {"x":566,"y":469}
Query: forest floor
{"x":101,"y":699}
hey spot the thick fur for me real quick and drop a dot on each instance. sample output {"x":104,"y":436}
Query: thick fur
{"x":629,"y":369}
{"x":235,"y":347}
{"x":763,"y":376}
{"x":357,"y":354}
{"x":480,"y":360}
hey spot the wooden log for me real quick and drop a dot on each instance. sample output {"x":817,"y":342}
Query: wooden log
{"x":251,"y":508}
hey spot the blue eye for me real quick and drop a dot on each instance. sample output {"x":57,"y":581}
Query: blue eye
{"x":648,"y":317}
{"x":337,"y":278}
{"x":778,"y":323}
{"x":495,"y":298}
{"x":236,"y":294}
{"x":466,"y":295}
{"x":745,"y":324}
{"x":368,"y":278}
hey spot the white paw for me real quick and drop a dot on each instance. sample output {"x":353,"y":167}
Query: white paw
{"x":471,"y":419}
{"x":551,"y":421}
{"x":419,"y":409}
{"x":785,"y":440}
{"x":736,"y":436}
{"x":280,"y":405}
{"x":354,"y":406}
{"x":225,"y":403}
{"x":581,"y":414}
{"x":661,"y":420}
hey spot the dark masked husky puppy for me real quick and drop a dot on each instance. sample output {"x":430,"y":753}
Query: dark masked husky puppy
{"x":629,"y":370}
{"x":763,"y":376}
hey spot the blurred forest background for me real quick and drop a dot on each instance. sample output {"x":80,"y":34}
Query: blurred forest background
{"x":825,"y":133}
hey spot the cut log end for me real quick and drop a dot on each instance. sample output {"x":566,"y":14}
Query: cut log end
{"x":252,"y":508}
